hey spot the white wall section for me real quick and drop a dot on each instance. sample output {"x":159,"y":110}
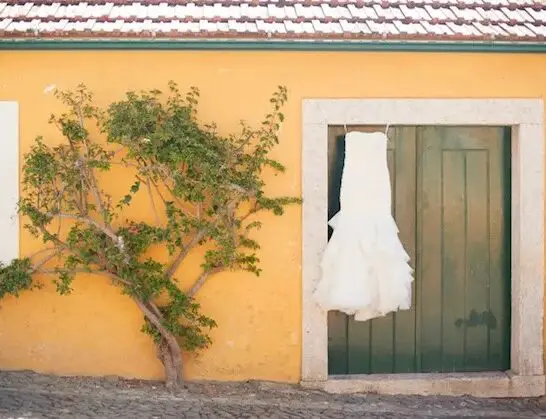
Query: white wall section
{"x":9,"y":181}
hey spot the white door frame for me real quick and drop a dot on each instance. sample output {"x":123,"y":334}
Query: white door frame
{"x":525,"y":117}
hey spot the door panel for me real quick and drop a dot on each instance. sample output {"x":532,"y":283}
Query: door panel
{"x":451,"y":202}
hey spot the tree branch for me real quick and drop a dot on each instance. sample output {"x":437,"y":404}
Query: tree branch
{"x":55,"y":239}
{"x":95,"y":190}
{"x":91,"y":180}
{"x":255,"y":208}
{"x":199,"y":236}
{"x":155,"y":309}
{"x":84,"y":271}
{"x":152,"y":201}
{"x":37,"y":266}
{"x":202,"y":279}
{"x":60,"y":196}
{"x":107,"y":231}
{"x":39,"y":252}
{"x":88,"y":175}
{"x":183,"y":253}
{"x":156,"y":186}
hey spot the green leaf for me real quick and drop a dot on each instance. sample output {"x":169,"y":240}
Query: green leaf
{"x":135,"y":187}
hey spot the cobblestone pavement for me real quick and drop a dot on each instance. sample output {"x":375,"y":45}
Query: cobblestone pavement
{"x":29,"y":395}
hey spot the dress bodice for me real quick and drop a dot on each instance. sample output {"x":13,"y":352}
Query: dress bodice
{"x":365,"y":171}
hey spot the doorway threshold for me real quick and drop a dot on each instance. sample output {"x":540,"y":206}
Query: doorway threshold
{"x":476,"y":384}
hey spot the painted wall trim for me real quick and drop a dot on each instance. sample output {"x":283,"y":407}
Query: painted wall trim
{"x":9,"y":181}
{"x":285,"y":45}
{"x":526,"y":117}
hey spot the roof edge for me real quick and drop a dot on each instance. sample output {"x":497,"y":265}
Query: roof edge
{"x":275,"y":45}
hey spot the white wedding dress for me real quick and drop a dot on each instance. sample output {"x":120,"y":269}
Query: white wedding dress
{"x":365,"y":268}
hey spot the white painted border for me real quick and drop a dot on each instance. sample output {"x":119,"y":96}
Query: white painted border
{"x":9,"y":181}
{"x":525,"y":116}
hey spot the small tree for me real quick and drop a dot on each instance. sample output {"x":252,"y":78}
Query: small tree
{"x":203,"y":188}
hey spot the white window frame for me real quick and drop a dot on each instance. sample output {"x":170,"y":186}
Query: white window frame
{"x":526,"y":119}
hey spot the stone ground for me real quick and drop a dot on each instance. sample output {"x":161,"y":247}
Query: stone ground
{"x":29,"y":395}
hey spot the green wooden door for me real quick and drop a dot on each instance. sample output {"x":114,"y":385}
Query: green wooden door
{"x":451,"y":198}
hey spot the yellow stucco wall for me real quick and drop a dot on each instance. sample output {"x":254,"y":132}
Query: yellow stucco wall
{"x":96,"y":330}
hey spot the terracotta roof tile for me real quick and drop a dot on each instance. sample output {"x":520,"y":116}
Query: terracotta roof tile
{"x":472,"y":20}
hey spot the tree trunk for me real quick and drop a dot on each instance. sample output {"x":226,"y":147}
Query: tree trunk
{"x":171,"y":354}
{"x":172,"y":362}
